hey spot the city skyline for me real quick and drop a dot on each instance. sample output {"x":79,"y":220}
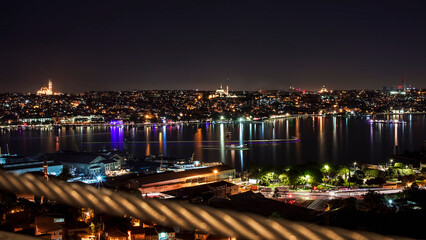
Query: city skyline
{"x":218,"y":119}
{"x":191,"y":45}
{"x":224,"y":91}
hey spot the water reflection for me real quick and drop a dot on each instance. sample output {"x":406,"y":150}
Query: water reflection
{"x":298,"y":145}
{"x":222,"y":143}
{"x":241,"y":141}
{"x":198,"y":137}
{"x":321,"y":139}
{"x":334,"y":146}
{"x":396,"y":138}
{"x":148,"y":144}
{"x":116,"y":137}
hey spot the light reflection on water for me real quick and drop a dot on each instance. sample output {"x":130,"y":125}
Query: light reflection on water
{"x":322,"y":139}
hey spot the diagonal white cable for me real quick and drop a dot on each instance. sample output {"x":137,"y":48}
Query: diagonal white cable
{"x":166,"y":212}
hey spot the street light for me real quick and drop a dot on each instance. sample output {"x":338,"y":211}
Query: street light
{"x":307,"y":178}
{"x":215,"y":173}
{"x":354,"y":166}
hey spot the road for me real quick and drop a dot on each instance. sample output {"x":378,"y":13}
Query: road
{"x":357,"y":193}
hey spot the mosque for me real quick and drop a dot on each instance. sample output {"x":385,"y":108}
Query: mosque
{"x":47,"y":90}
{"x":221,"y":92}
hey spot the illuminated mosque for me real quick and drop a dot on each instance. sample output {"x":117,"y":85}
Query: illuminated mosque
{"x":323,"y":89}
{"x":47,"y":90}
{"x":221,"y":92}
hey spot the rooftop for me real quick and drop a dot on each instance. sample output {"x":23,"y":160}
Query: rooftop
{"x":136,"y":180}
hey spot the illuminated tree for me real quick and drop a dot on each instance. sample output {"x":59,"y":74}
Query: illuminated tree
{"x":284,"y":179}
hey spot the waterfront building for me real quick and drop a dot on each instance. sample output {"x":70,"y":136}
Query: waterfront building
{"x":88,"y":164}
{"x":21,"y":165}
{"x":82,"y":119}
{"x":167,"y":181}
{"x":36,"y":120}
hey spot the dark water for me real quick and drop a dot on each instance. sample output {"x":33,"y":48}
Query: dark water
{"x":321,"y":139}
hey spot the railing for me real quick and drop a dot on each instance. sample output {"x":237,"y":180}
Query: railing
{"x":170,"y":213}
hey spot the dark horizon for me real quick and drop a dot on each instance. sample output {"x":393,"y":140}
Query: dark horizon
{"x":248,"y":45}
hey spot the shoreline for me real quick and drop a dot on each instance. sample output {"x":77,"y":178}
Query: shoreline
{"x":271,"y":118}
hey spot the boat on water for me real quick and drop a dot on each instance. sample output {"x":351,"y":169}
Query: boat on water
{"x":393,"y":121}
{"x":237,"y":147}
{"x":183,"y":165}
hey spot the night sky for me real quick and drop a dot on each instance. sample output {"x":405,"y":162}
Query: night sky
{"x":248,"y":45}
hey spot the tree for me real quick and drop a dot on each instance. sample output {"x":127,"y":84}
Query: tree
{"x":376,"y":181}
{"x":255,"y":172}
{"x":267,"y":178}
{"x":416,"y":195}
{"x":391,"y":173}
{"x":65,"y":175}
{"x":373,"y":200}
{"x":398,"y":165}
{"x":284,"y":179}
{"x":372,"y":173}
{"x":356,"y":179}
{"x":264,"y":181}
{"x":343,"y":171}
{"x":338,"y":181}
{"x":407,"y":179}
{"x":293,"y":175}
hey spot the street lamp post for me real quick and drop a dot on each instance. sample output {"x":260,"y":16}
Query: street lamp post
{"x":349,"y":178}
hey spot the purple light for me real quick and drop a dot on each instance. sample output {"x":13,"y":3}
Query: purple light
{"x":116,"y":122}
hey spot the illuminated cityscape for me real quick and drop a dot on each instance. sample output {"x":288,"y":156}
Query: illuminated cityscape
{"x":202,"y":120}
{"x":172,"y":106}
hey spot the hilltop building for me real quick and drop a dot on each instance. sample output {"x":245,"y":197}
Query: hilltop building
{"x":323,"y":89}
{"x":221,"y":92}
{"x":47,"y":90}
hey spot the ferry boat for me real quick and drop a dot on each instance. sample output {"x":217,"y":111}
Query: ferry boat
{"x":393,"y":121}
{"x":237,"y":147}
{"x":180,"y":166}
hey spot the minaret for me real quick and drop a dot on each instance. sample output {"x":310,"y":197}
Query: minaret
{"x":403,"y":81}
{"x":227,"y":90}
{"x":50,"y":86}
